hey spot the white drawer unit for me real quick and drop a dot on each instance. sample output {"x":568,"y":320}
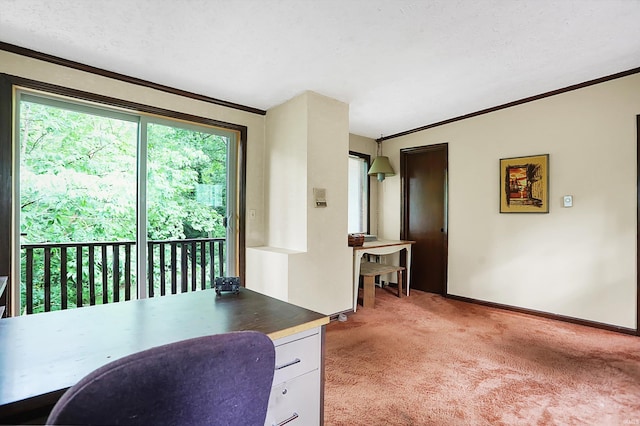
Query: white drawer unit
{"x":296,"y":401}
{"x":296,"y":393}
{"x":297,"y":356}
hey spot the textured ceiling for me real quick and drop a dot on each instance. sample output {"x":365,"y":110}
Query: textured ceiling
{"x":398,"y":64}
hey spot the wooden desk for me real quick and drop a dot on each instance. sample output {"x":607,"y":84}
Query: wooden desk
{"x":379,"y":247}
{"x":44,"y":354}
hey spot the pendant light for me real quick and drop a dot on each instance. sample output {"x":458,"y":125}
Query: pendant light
{"x":381,"y":166}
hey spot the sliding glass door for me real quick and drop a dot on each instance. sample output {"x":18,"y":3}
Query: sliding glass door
{"x":115,"y":205}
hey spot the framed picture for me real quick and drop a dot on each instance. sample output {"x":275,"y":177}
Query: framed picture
{"x":524,"y":184}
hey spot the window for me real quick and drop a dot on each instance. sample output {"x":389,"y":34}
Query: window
{"x":106,"y":195}
{"x":358,"y":193}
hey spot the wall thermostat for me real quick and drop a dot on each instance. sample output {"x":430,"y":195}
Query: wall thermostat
{"x":320,"y":197}
{"x":567,"y":201}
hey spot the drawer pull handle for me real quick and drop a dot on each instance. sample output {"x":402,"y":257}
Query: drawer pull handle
{"x":289,"y":364}
{"x":290,"y":419}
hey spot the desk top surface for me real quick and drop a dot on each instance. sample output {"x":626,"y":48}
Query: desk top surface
{"x":47,"y":353}
{"x":383,"y":243}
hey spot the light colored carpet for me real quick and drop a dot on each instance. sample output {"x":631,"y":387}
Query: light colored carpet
{"x":427,"y":360}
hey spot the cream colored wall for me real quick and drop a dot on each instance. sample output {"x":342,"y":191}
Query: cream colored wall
{"x":285,"y":189}
{"x":316,"y":274}
{"x":268,"y":270}
{"x":46,"y":72}
{"x":578,"y":262}
{"x":286,"y":175}
{"x":321,"y":280}
{"x":368,"y":146}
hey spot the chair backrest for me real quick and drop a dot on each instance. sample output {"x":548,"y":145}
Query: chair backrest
{"x":222,"y":379}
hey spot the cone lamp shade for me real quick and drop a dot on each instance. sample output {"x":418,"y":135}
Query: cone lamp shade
{"x":381,"y":168}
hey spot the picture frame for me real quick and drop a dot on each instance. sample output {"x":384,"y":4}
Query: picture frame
{"x":524,"y":184}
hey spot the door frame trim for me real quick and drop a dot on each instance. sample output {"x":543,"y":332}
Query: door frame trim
{"x":637,"y":331}
{"x":10,"y":82}
{"x":404,"y":202}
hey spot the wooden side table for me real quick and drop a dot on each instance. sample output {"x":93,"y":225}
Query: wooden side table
{"x":369,"y":271}
{"x":379,"y":247}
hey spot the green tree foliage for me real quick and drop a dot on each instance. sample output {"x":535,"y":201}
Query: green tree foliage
{"x":77,"y":176}
{"x":180,"y":161}
{"x":78,"y":183}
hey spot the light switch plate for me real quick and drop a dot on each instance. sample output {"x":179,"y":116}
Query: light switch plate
{"x":567,"y":201}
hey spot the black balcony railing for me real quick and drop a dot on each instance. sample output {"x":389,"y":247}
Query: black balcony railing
{"x":68,"y":275}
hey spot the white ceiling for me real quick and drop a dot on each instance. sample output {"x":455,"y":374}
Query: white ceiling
{"x":399,"y":64}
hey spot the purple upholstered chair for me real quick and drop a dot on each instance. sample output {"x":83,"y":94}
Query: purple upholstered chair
{"x":223,"y":379}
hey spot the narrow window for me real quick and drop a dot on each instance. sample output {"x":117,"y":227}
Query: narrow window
{"x":358,"y":193}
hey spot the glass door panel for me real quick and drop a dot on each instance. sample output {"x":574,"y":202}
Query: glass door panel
{"x":77,"y":194}
{"x":186,"y":200}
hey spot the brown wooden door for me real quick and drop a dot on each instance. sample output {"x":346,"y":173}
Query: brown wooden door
{"x":424,"y":214}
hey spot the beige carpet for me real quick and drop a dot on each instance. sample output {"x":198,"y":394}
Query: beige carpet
{"x":427,"y":360}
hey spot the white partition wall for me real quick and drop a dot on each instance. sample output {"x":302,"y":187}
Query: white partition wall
{"x":307,"y":144}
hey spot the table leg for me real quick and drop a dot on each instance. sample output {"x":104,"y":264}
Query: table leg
{"x":369,"y":293}
{"x":408,"y":267}
{"x":357,"y":258}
